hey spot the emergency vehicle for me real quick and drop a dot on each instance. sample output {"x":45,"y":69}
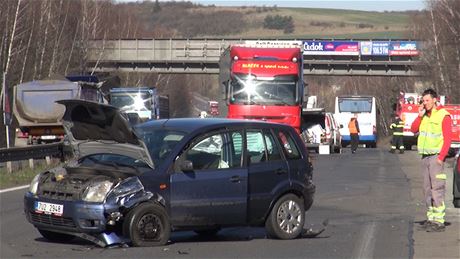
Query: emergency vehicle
{"x":407,"y":110}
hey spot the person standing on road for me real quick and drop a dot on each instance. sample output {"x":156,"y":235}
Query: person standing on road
{"x":397,"y":142}
{"x":353,"y":127}
{"x":434,"y":125}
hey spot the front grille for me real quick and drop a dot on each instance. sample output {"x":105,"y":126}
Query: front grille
{"x":52,"y":220}
{"x":57,"y":195}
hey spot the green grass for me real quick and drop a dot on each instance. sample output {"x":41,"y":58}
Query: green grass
{"x":21,"y":176}
{"x":337,"y":24}
{"x":353,"y":16}
{"x":358,"y":36}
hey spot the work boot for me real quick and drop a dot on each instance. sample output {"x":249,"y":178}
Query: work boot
{"x":436,"y":227}
{"x":392,"y":151}
{"x":425,"y":225}
{"x":401,"y":151}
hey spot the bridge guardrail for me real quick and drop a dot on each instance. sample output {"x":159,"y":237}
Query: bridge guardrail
{"x":35,"y":152}
{"x":202,"y":56}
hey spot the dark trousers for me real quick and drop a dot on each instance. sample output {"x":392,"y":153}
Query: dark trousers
{"x":397,"y":142}
{"x":354,"y":141}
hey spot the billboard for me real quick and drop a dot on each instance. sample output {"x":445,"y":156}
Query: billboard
{"x":271,"y":43}
{"x":374,"y":48}
{"x":403,"y":48}
{"x":338,"y":48}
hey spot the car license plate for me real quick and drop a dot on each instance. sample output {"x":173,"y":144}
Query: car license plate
{"x":49,"y":208}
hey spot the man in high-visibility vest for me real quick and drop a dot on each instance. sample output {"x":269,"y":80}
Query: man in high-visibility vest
{"x":434,"y":125}
{"x":397,"y":142}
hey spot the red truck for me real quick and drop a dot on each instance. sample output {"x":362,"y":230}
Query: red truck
{"x":266,"y":82}
{"x":454,"y":110}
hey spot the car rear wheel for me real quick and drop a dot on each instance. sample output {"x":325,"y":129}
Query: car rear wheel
{"x":286,"y":218}
{"x":55,"y":236}
{"x":147,"y":225}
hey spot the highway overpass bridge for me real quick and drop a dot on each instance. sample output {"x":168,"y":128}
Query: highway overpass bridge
{"x":202,"y":56}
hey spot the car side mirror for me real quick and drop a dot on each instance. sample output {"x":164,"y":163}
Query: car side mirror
{"x":186,"y":166}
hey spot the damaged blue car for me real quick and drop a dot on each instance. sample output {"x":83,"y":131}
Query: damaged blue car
{"x":134,"y":186}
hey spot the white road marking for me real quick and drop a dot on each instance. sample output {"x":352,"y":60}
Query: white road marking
{"x":14,"y":188}
{"x":365,"y":248}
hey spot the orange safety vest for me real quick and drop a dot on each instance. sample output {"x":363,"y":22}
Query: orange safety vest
{"x":352,"y":127}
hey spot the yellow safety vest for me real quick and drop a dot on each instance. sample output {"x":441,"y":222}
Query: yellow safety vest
{"x":430,"y":138}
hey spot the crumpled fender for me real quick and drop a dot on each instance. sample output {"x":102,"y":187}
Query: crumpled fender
{"x":130,"y":192}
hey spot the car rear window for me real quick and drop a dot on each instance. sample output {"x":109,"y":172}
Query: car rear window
{"x":289,"y":147}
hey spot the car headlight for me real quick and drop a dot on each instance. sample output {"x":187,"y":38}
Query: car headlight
{"x":33,"y":187}
{"x":96,"y":192}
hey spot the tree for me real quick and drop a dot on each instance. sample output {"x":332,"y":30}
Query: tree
{"x":156,"y":7}
{"x":438,"y":29}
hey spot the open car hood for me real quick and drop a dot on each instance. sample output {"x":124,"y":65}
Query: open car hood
{"x":94,"y":128}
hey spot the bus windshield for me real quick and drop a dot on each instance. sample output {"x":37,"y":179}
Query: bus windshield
{"x":273,"y":91}
{"x":355,"y":105}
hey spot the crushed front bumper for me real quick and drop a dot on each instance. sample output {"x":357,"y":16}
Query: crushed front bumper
{"x":79,"y":218}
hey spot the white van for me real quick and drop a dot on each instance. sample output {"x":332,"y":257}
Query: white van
{"x":320,"y":128}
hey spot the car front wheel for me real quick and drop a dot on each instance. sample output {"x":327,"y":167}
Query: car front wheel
{"x":147,"y":225}
{"x":286,"y":218}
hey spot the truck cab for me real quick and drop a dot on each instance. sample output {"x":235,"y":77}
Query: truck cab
{"x":140,"y":104}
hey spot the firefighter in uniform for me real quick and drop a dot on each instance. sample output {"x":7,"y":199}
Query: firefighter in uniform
{"x":434,"y":125}
{"x":397,"y":142}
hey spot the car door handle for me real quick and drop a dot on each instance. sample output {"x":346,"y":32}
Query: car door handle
{"x":281,"y":171}
{"x":235,"y":179}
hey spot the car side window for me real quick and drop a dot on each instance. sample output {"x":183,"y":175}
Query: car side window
{"x":256,"y":146}
{"x":217,"y":151}
{"x":273,"y":151}
{"x":236,"y":148}
{"x":207,"y":153}
{"x":290,"y":150}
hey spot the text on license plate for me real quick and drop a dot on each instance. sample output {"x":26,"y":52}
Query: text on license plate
{"x":49,"y":208}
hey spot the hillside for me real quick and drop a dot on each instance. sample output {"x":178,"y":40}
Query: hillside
{"x":330,"y":23}
{"x":190,"y":20}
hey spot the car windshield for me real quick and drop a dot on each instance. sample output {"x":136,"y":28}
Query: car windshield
{"x":160,"y":142}
{"x":250,"y":90}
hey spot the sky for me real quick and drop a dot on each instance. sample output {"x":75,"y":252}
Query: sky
{"x":364,"y":5}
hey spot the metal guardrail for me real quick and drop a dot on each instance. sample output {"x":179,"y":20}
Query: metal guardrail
{"x":36,"y":152}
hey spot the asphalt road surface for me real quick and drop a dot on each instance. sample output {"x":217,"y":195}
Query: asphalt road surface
{"x":366,"y":197}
